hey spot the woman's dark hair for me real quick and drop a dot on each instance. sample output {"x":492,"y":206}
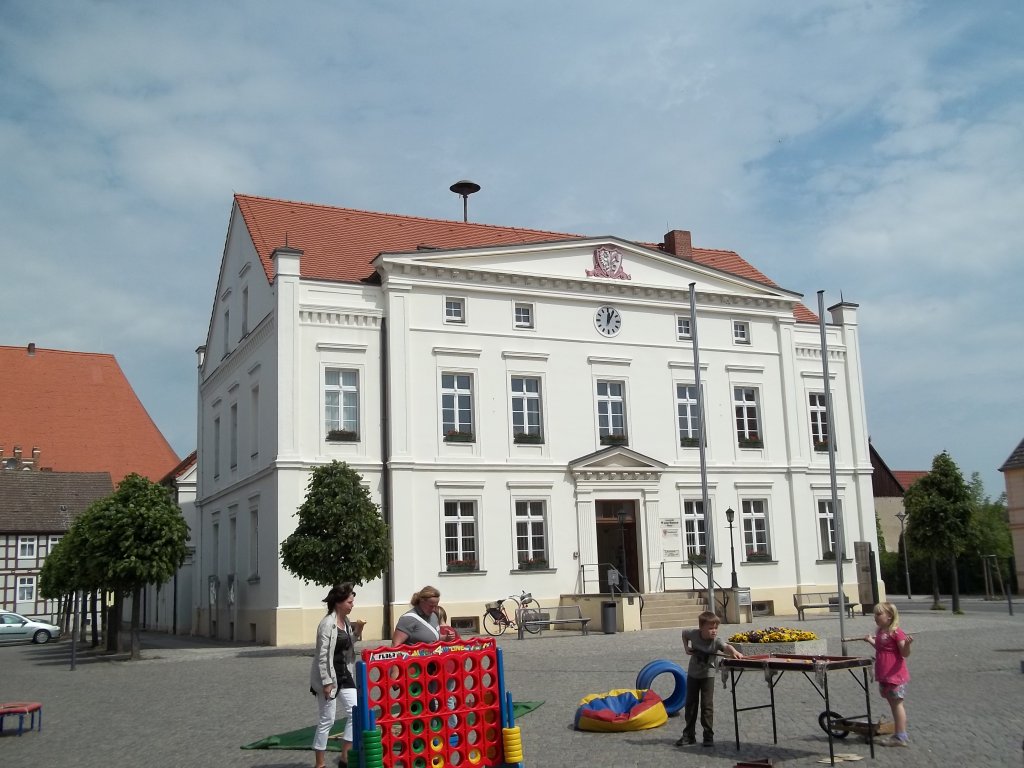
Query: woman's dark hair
{"x":339,"y":594}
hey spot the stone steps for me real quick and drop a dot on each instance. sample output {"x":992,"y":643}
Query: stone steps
{"x":672,"y":609}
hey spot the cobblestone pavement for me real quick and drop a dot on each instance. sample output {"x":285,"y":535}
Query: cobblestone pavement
{"x":194,"y":703}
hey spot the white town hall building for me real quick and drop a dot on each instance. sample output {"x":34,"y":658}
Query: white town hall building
{"x":522,"y":406}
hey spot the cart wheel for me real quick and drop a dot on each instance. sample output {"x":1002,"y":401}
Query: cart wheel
{"x":838,"y":732}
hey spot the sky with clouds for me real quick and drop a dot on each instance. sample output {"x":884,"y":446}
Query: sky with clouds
{"x":874,"y":150}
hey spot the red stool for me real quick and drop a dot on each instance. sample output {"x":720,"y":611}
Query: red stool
{"x":22,"y":708}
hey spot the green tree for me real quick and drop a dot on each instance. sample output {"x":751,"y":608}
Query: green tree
{"x":938,"y":520}
{"x":340,"y":535}
{"x":989,"y":533}
{"x":134,"y":537}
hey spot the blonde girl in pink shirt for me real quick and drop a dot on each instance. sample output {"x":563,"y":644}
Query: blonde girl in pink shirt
{"x":892,"y":647}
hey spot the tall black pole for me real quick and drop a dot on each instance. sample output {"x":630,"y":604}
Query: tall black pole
{"x":732,"y":548}
{"x":903,"y":540}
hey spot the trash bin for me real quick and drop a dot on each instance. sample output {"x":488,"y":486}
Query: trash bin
{"x":608,"y":620}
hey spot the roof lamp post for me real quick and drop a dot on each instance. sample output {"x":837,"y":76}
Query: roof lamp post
{"x":730,"y":515}
{"x":901,"y":516}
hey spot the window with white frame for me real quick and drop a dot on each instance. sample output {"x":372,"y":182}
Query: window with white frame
{"x":233,"y":435}
{"x":26,"y":547}
{"x":819,"y":421}
{"x":694,"y":530}
{"x":827,"y":528}
{"x":227,"y":332}
{"x":54,"y":541}
{"x":526,"y":410}
{"x":748,"y":422}
{"x":523,"y":315}
{"x":26,"y":589}
{"x":531,"y":535}
{"x":460,"y":536}
{"x":688,"y":414}
{"x":684,"y":328}
{"x":245,"y":310}
{"x":457,"y":406}
{"x":454,"y":310}
{"x":611,"y":411}
{"x":740,"y":332}
{"x":756,"y":541}
{"x":233,"y":538}
{"x":341,"y":404}
{"x":216,"y":447}
{"x":254,"y":422}
{"x":254,"y":542}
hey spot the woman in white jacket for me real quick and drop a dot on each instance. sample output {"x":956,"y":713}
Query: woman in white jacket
{"x":332,"y":675}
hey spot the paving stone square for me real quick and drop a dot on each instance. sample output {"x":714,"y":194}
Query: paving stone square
{"x":191,"y":702}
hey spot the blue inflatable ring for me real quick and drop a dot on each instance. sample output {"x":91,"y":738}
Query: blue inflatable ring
{"x":675,"y":702}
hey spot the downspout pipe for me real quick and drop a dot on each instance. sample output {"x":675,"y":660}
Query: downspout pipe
{"x":385,"y":471}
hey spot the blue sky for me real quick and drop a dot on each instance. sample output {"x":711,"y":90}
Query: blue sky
{"x":874,"y":150}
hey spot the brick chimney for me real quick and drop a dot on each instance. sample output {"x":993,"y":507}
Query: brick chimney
{"x":677,"y":242}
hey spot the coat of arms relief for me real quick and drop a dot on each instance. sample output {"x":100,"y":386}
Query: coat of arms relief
{"x":607,"y":263}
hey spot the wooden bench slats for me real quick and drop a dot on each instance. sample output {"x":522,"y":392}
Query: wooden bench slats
{"x":805,"y":600}
{"x":545,"y":616}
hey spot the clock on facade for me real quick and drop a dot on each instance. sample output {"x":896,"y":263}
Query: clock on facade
{"x":607,"y":320}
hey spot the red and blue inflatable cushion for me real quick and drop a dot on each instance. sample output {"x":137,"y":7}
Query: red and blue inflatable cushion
{"x":624,"y":709}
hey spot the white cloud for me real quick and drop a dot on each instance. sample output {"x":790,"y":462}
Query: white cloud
{"x":874,"y":149}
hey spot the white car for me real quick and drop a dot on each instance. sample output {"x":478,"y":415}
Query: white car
{"x":14,"y":628}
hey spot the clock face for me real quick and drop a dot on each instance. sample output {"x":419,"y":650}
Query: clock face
{"x":608,"y":321}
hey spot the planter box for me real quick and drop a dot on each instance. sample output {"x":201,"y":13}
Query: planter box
{"x":817,"y":647}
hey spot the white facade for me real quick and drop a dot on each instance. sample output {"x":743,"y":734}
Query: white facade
{"x":493,"y":332}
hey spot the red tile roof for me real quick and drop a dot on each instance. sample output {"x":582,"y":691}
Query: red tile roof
{"x":907,"y":478}
{"x":341,"y":243}
{"x":80,"y":411}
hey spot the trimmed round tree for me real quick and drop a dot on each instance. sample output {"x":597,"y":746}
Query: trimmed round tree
{"x":340,"y":535}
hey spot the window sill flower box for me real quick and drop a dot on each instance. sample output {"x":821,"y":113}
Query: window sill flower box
{"x":459,"y":437}
{"x":828,"y":556}
{"x":461,"y":566}
{"x":536,"y":564}
{"x":758,"y":557}
{"x":527,"y":438}
{"x":697,"y":559}
{"x":689,"y":442}
{"x":616,"y":438}
{"x":750,"y":442}
{"x":342,"y":436}
{"x":821,"y":447}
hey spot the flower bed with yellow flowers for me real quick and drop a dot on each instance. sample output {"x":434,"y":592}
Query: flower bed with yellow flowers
{"x":773,"y":635}
{"x":775,"y":641}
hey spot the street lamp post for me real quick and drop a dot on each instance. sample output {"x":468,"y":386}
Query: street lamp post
{"x":621,"y":514}
{"x":901,"y":516}
{"x":730,"y":514}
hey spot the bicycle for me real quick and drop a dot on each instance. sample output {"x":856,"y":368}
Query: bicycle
{"x":497,"y":620}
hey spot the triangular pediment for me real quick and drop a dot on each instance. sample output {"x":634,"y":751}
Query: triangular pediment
{"x":616,"y":458}
{"x":571,"y":264}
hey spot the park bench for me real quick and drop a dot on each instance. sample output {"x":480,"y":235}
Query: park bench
{"x":545,"y":617}
{"x":830,"y":600}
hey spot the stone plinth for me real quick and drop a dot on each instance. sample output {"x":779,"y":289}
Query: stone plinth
{"x":817,"y":647}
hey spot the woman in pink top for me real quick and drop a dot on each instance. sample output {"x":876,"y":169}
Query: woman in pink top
{"x":892,"y":647}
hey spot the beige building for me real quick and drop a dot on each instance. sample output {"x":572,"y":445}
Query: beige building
{"x":1013,"y":474}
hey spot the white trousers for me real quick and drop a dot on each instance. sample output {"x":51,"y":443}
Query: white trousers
{"x":327,"y":711}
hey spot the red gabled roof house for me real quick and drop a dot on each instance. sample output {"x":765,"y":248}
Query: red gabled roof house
{"x":78,"y":411}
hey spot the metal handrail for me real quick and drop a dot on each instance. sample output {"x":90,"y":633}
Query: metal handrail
{"x":696,"y":585}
